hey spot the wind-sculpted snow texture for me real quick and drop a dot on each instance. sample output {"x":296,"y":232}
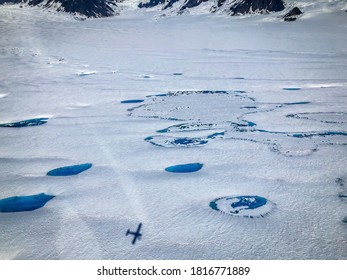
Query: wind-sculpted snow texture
{"x":242,"y":155}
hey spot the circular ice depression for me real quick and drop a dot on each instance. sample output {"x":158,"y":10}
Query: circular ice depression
{"x":243,"y":206}
{"x":191,"y":106}
{"x":174,"y":142}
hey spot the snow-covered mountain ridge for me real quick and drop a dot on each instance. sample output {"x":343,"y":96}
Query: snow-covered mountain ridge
{"x":89,"y":8}
{"x":107,"y":8}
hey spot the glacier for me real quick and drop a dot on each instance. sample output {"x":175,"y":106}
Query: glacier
{"x":260,"y":103}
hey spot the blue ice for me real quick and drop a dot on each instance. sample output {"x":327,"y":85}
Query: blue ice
{"x":24,"y":123}
{"x":214,"y":135}
{"x":169,"y":142}
{"x":24,"y":203}
{"x":132,"y":101}
{"x":297,"y":103}
{"x":243,"y":206}
{"x":327,"y":133}
{"x":292,"y":88}
{"x":158,"y":95}
{"x":69,"y":170}
{"x":184,"y":168}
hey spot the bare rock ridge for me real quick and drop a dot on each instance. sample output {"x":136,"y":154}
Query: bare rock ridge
{"x":106,"y":8}
{"x":151,"y":3}
{"x":10,"y":1}
{"x":89,"y":8}
{"x":293,"y":14}
{"x":242,"y":7}
{"x":236,"y":7}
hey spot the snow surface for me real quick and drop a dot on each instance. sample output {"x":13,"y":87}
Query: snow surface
{"x":287,"y":146}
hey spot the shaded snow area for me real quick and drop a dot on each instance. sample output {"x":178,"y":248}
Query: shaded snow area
{"x":224,"y":137}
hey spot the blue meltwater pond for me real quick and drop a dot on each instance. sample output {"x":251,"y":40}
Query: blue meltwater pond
{"x":24,"y":203}
{"x":184,"y":168}
{"x":292,"y":88}
{"x":132,"y":101}
{"x":69,"y":170}
{"x":25,"y":123}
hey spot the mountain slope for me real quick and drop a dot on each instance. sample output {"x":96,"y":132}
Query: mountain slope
{"x":89,"y":8}
{"x":232,"y":7}
{"x":241,"y":7}
{"x":106,"y":8}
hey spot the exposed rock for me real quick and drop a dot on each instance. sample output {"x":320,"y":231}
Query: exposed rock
{"x":105,"y":8}
{"x":191,"y":4}
{"x":169,"y":3}
{"x":292,"y":14}
{"x":11,"y":1}
{"x":242,"y":7}
{"x":220,"y":3}
{"x":151,"y":3}
{"x":89,"y":8}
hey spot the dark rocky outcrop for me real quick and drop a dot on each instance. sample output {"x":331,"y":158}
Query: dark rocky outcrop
{"x":151,"y":3}
{"x":89,"y":8}
{"x":169,"y":3}
{"x":292,"y":14}
{"x":105,"y":8}
{"x":255,"y":6}
{"x":10,"y":1}
{"x":191,"y":4}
